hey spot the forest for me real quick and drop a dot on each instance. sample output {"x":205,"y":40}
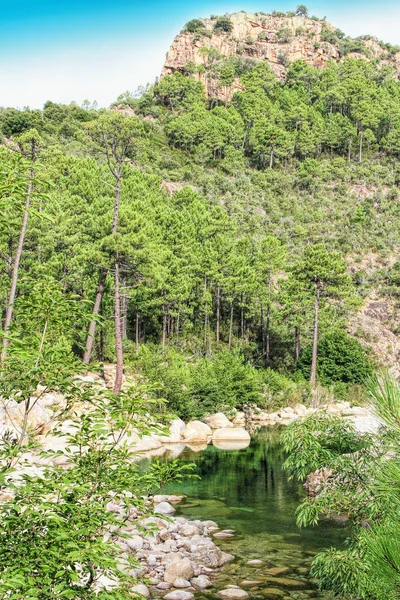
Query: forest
{"x":216,"y":252}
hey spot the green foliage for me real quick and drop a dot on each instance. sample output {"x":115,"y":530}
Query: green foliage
{"x":302,"y":10}
{"x":194,"y":388}
{"x":194,"y":26}
{"x":283,"y":35}
{"x":316,"y":442}
{"x":177,"y":91}
{"x":361,"y":481}
{"x":333,"y":36}
{"x":223,"y":24}
{"x":340,"y":358}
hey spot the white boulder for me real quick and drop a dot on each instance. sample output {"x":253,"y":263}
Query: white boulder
{"x":197,"y":432}
{"x":181,"y":568}
{"x":218,"y":421}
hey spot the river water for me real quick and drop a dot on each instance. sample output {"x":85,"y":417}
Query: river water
{"x":248,"y":491}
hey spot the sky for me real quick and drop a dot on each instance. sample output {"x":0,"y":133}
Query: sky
{"x":70,"y":50}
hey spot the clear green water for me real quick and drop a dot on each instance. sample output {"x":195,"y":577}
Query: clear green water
{"x":248,"y":491}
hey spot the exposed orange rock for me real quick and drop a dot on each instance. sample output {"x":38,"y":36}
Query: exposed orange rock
{"x":255,"y":36}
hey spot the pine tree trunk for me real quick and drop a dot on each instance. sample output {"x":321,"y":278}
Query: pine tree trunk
{"x":313,"y":373}
{"x":267,"y":335}
{"x":268,"y":322}
{"x":230,"y":327}
{"x":100,"y":290}
{"x":14,"y":278}
{"x":218,"y":313}
{"x":118,"y":332}
{"x":124,"y":308}
{"x":137,"y":332}
{"x":263,"y":333}
{"x":93,"y":322}
{"x":361,"y":147}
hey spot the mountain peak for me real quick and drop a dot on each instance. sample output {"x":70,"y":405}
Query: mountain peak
{"x":218,"y":49}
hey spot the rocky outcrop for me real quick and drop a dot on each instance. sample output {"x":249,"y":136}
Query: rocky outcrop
{"x":376,"y":326}
{"x":275,"y":39}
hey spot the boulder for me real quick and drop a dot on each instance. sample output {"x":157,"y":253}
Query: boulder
{"x":181,"y":568}
{"x":135,"y":543}
{"x":202,"y":582}
{"x":179,"y":595}
{"x":233,"y":594}
{"x":294,"y":584}
{"x":180,"y":582}
{"x":197,"y":432}
{"x":175,"y":432}
{"x":234,"y":434}
{"x":164,"y":585}
{"x":14,"y":415}
{"x":189,"y":530}
{"x":218,"y":421}
{"x":300,"y":410}
{"x":278,"y":571}
{"x":164,"y":508}
{"x":141,"y":589}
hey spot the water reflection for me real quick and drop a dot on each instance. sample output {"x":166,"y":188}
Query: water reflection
{"x":246,"y":490}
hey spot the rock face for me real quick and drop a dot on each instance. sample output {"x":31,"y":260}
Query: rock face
{"x":376,"y":327}
{"x":275,"y":39}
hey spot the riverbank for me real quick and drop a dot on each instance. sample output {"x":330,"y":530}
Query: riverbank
{"x":175,"y":556}
{"x":50,"y":420}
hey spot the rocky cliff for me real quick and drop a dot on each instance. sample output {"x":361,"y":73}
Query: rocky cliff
{"x":205,"y":44}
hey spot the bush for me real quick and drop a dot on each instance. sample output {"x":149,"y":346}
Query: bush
{"x":223,"y":24}
{"x":283,"y":34}
{"x":194,"y":25}
{"x":340,"y":358}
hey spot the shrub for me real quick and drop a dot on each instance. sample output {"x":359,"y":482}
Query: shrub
{"x":283,"y":34}
{"x":333,"y":37}
{"x":340,"y":358}
{"x":223,"y":24}
{"x":194,"y":25}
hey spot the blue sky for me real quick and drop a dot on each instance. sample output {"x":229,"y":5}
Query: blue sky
{"x":63,"y":50}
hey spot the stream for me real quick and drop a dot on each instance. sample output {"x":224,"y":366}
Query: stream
{"x":248,"y":491}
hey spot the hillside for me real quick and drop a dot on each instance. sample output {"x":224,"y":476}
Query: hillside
{"x":207,"y":47}
{"x":186,"y":230}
